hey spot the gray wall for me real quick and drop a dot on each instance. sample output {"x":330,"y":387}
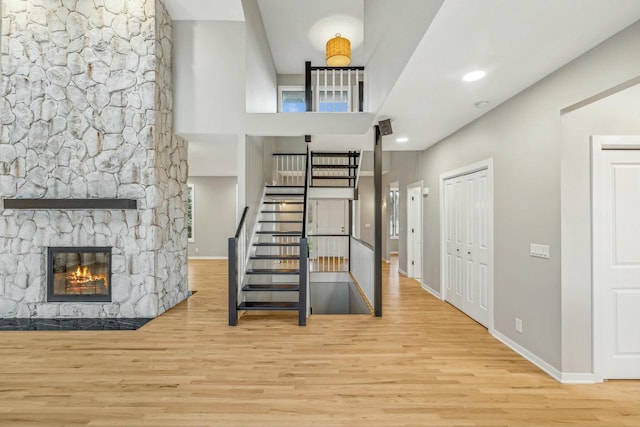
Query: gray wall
{"x":365,"y":200}
{"x":523,"y":138}
{"x":214,"y":215}
{"x":290,"y":79}
{"x":618,"y":114}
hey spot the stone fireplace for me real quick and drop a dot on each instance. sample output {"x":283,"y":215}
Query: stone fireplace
{"x":88,"y":159}
{"x":78,"y":274}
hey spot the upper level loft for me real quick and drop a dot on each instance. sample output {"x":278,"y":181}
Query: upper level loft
{"x":325,"y":90}
{"x":228,"y":74}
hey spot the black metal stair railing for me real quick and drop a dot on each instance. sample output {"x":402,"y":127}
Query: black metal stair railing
{"x":303,"y":264}
{"x":334,"y":169}
{"x":236,"y":259}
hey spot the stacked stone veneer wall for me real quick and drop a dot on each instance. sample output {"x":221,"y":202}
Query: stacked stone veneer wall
{"x":86,"y":112}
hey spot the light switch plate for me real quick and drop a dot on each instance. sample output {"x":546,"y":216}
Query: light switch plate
{"x":539,"y":251}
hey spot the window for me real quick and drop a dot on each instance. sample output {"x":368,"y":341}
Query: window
{"x":190,"y":213}
{"x":332,"y":100}
{"x":292,"y":99}
{"x":394,"y":213}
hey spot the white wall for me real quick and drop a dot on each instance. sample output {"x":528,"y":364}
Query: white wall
{"x":261,"y":76}
{"x":255,"y":173}
{"x":618,"y":114}
{"x":209,"y":77}
{"x":523,"y":137}
{"x":214,"y":215}
{"x":388,"y":46}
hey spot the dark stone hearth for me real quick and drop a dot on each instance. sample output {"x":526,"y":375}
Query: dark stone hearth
{"x":72,"y":324}
{"x":71,"y":204}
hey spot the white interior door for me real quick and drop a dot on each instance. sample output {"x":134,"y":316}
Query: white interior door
{"x":414,"y":232}
{"x":467,"y":241}
{"x":453,"y":228}
{"x":617,"y":279}
{"x":331,"y":219}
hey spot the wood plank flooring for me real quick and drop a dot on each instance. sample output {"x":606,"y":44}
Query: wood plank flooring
{"x":422,"y":364}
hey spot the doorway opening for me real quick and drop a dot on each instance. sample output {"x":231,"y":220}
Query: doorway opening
{"x":414,"y":230}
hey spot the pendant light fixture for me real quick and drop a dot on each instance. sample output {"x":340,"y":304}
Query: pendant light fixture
{"x":338,"y":52}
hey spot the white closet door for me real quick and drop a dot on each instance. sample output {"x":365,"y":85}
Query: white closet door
{"x":454,"y":240}
{"x":467,"y":240}
{"x":619,"y":263}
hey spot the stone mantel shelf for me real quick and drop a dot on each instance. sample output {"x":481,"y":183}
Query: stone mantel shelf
{"x":71,"y":204}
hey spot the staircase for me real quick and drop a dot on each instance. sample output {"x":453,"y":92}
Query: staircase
{"x":269,"y":270}
{"x":276,"y":274}
{"x":274,"y":264}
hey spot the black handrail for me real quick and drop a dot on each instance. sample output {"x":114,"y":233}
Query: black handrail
{"x":233,"y":271}
{"x":306,"y":186}
{"x":244,"y":216}
{"x":360,"y":68}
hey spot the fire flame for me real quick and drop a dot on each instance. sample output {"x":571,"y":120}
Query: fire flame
{"x":83,"y":275}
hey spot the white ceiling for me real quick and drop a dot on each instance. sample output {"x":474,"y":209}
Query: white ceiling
{"x":517,"y":42}
{"x":299,"y":30}
{"x":205,"y":10}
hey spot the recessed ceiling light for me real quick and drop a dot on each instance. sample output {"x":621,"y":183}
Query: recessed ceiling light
{"x":474,"y":75}
{"x":481,"y":104}
{"x":402,"y":140}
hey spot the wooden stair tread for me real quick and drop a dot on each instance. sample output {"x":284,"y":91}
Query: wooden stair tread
{"x":276,"y":244}
{"x":269,"y":306}
{"x":270,"y":287}
{"x":274,"y":271}
{"x":282,"y":212}
{"x":295,"y":202}
{"x":335,"y":166}
{"x":275,"y":257}
{"x":281,"y":233}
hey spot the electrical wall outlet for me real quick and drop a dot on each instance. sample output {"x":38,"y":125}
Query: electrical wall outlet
{"x":197,"y":250}
{"x":539,"y":251}
{"x":518,"y":325}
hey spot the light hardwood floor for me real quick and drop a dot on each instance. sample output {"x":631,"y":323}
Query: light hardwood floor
{"x":422,"y":364}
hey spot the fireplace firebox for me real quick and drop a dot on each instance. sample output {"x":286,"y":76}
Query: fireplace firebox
{"x":79,"y":274}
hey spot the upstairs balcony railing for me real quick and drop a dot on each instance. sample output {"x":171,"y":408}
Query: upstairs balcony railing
{"x":334,"y":89}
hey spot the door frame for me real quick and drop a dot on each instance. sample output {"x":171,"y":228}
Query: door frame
{"x":598,"y":144}
{"x":487,"y":165}
{"x":413,"y":187}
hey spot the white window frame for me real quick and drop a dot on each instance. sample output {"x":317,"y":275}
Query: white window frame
{"x":287,"y":88}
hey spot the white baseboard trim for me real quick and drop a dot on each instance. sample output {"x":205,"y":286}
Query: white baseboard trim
{"x":393,"y":253}
{"x":579,"y":378}
{"x":404,"y":273}
{"x":431,"y":291}
{"x":208,"y":257}
{"x":546,"y":367}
